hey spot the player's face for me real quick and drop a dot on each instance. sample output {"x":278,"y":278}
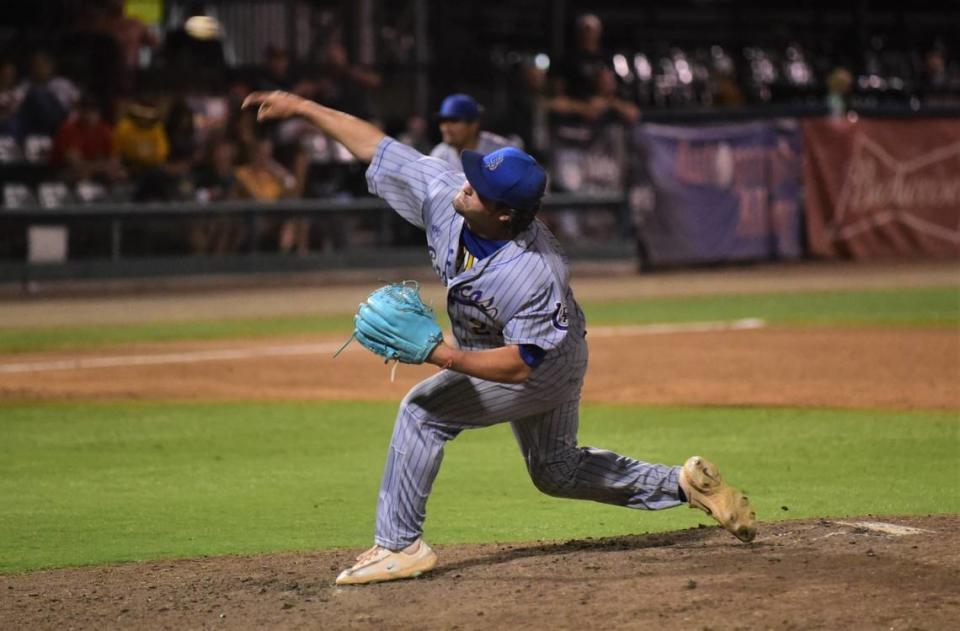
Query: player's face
{"x":459,"y":134}
{"x":485,"y":217}
{"x":467,"y":201}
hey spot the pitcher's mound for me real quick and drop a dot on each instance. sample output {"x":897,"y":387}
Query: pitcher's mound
{"x":870,"y":572}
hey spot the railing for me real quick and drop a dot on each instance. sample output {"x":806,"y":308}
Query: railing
{"x":714,"y":115}
{"x":379,"y":253}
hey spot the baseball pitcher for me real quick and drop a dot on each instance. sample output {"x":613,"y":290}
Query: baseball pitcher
{"x":520,"y":352}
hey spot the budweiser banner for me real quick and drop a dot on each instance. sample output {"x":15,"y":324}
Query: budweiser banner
{"x":882,"y":188}
{"x":728,"y":192}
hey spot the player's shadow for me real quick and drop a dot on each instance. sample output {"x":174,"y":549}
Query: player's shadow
{"x":680,"y":538}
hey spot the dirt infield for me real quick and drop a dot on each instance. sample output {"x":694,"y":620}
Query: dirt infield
{"x":853,"y":368}
{"x":797,"y":575}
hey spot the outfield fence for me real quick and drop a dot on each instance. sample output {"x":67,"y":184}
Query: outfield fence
{"x":367,"y":234}
{"x":662,"y":194}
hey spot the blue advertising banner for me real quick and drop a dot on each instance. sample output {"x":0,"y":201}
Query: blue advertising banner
{"x":722,"y":193}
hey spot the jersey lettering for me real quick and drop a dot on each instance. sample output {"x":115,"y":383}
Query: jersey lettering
{"x":467,"y":295}
{"x":560,"y":320}
{"x":479,"y":328}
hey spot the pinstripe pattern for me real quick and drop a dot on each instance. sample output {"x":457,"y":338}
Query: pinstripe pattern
{"x":518,"y":295}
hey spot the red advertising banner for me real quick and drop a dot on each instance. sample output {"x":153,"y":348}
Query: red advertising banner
{"x":882,"y":188}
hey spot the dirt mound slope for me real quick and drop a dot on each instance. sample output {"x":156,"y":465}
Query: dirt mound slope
{"x":811,"y":574}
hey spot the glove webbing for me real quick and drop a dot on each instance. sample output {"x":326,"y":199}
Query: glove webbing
{"x":353,"y":336}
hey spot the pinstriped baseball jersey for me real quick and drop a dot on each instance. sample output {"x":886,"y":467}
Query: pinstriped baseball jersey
{"x":518,"y":295}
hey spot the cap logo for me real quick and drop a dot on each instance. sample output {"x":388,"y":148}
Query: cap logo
{"x":493,"y":163}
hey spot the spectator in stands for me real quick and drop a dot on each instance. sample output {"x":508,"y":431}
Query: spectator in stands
{"x":10,"y":97}
{"x":131,"y":36}
{"x":140,"y":140}
{"x":83,"y":146}
{"x":935,"y":72}
{"x":460,"y":127}
{"x":214,"y":176}
{"x":606,"y":103}
{"x":526,"y":111}
{"x":277,"y":73}
{"x":214,"y":180}
{"x":265,"y":179}
{"x":242,"y":129}
{"x":183,"y":138}
{"x":725,"y":90}
{"x":415,"y":134}
{"x":940,"y":78}
{"x":574,"y":78}
{"x":92,"y":56}
{"x":839,"y":89}
{"x":47,"y":98}
{"x":344,"y":85}
{"x":295,"y":232}
{"x":935,"y":69}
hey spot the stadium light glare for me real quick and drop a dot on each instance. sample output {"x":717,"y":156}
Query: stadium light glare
{"x":642,"y":67}
{"x":620,"y":66}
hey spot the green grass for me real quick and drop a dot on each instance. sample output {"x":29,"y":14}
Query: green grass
{"x":28,"y":339}
{"x":103,"y":482}
{"x":916,"y":307}
{"x":933,"y":306}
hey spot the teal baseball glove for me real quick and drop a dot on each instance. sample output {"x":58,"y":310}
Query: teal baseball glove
{"x":396,"y":324}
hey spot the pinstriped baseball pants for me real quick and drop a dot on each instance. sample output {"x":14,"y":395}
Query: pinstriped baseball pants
{"x":439,"y":408}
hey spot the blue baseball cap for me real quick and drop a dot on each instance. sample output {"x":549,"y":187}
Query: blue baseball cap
{"x":507,"y":175}
{"x":460,"y":107}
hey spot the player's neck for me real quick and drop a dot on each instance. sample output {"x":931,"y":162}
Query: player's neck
{"x":491,"y":232}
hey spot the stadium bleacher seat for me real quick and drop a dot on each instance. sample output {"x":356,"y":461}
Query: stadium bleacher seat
{"x":18,"y":195}
{"x":53,"y":194}
{"x":9,"y":150}
{"x":87,"y":192}
{"x":36,"y":149}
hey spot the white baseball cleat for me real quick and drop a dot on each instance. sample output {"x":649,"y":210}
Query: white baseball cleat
{"x":379,"y":564}
{"x":706,"y":490}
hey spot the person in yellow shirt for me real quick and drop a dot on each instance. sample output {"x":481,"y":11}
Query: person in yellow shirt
{"x":265,"y":179}
{"x":139,"y":139}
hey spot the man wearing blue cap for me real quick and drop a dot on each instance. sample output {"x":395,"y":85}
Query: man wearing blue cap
{"x":521,"y":352}
{"x":460,"y":127}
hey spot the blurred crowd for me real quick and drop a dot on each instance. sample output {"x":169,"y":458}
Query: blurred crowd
{"x":122,"y":112}
{"x":174,"y":134}
{"x":598,"y":82}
